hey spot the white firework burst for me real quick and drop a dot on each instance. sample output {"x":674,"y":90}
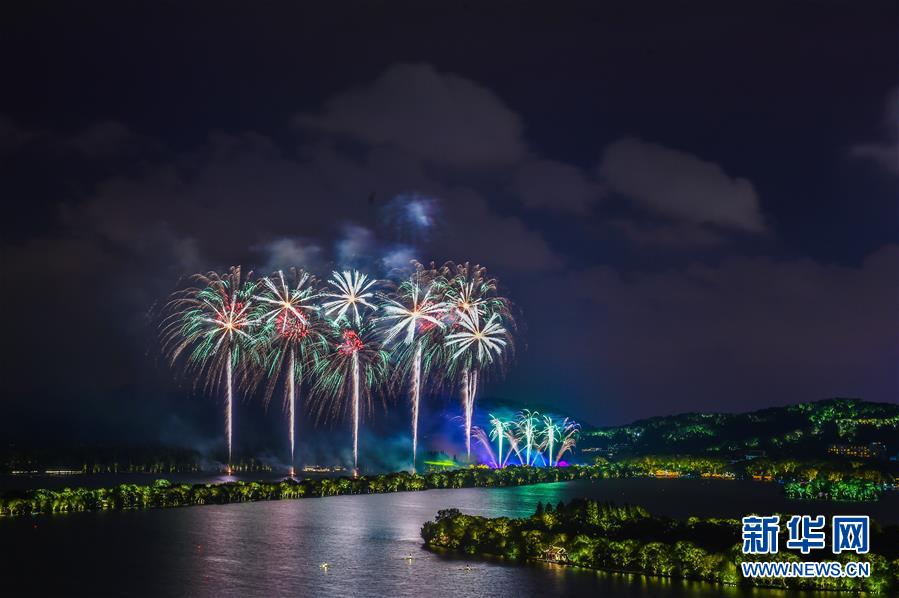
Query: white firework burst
{"x":417,"y":308}
{"x":485,"y":340}
{"x":282,"y":303}
{"x":353,"y":291}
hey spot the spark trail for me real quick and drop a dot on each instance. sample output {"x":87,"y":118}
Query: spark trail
{"x":211,"y":322}
{"x":413,"y":313}
{"x":293,"y":335}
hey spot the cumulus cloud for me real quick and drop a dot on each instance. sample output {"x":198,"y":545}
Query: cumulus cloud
{"x":440,"y":117}
{"x":886,"y":153}
{"x":286,"y":252}
{"x":102,"y":139}
{"x":556,"y":186}
{"x":680,"y":185}
{"x":663,"y":234}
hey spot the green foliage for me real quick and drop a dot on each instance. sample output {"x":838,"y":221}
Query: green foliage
{"x":831,"y":479}
{"x":604,"y":536}
{"x":818,"y":489}
{"x":806,"y":428}
{"x":164,"y":494}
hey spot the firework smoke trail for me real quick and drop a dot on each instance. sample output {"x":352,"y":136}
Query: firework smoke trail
{"x":229,"y":400}
{"x":527,"y":425}
{"x":414,"y":314}
{"x":291,"y":397}
{"x":550,"y":432}
{"x":498,"y":432}
{"x":355,"y":413}
{"x":416,"y":397}
{"x":568,"y":433}
{"x":469,"y":390}
{"x":481,"y":436}
{"x":477,"y":339}
{"x":209,"y":322}
{"x":477,"y":344}
{"x":293,"y":336}
{"x":467,"y":409}
{"x":357,"y":364}
{"x":513,"y":446}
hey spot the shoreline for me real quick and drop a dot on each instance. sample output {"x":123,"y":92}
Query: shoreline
{"x":165,"y":494}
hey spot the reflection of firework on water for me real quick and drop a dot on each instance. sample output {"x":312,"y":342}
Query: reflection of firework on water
{"x":411,"y":314}
{"x":294,"y":336}
{"x":211,"y":322}
{"x":355,"y":367}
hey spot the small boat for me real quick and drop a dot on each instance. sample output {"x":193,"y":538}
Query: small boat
{"x":325,"y":566}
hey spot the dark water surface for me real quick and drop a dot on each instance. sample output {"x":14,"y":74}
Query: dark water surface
{"x":275,"y":548}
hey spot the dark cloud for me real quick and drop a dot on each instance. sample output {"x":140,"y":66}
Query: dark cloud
{"x":552,"y":185}
{"x":885,"y":154}
{"x":747,"y":332}
{"x":680,"y":185}
{"x":658,"y":282}
{"x":665,"y":234}
{"x":439,"y":117}
{"x":104,"y":139}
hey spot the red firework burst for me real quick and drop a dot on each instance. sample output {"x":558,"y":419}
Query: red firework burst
{"x":351,"y":343}
{"x":291,"y":327}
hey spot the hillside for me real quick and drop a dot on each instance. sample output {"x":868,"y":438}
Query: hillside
{"x":804,"y":429}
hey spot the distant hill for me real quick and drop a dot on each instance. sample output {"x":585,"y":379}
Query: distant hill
{"x":803,"y":429}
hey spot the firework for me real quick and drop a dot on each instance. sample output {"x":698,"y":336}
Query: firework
{"x":499,"y":430}
{"x":469,"y":289}
{"x":292,"y":332}
{"x":356,"y":364}
{"x":551,"y":434}
{"x":528,"y":425}
{"x":211,"y":322}
{"x":477,"y":334}
{"x":354,"y":290}
{"x":568,"y":432}
{"x":412,"y":313}
{"x":474,"y":346}
{"x":481,"y":436}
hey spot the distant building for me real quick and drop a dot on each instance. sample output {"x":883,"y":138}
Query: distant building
{"x":555,"y":554}
{"x":609,"y":452}
{"x":755,"y":454}
{"x":874,"y":450}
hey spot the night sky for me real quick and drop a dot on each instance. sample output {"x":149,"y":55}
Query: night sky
{"x":692,"y":205}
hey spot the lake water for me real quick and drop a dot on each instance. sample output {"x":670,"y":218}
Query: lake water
{"x":275,"y":548}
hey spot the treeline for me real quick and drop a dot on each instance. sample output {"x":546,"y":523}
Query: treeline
{"x":628,"y":539}
{"x":163,"y":494}
{"x":805,"y":429}
{"x":820,"y":489}
{"x":819,"y":479}
{"x":136,"y":459}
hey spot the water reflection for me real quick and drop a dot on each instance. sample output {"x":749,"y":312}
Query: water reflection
{"x":276,"y":548}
